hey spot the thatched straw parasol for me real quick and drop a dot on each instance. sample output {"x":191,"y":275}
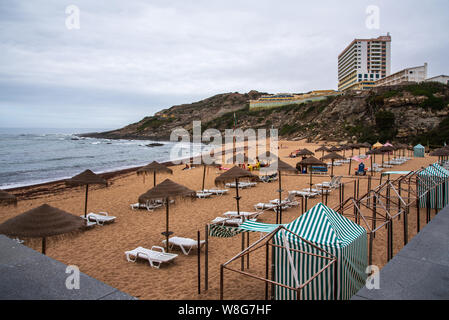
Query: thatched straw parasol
{"x":322,"y":149}
{"x":42,"y":222}
{"x":281,"y":166}
{"x":234,"y":174}
{"x":311,"y":161}
{"x":335,"y":149}
{"x":440,"y":153}
{"x":373,"y":152}
{"x":333,"y":156}
{"x":305,"y":152}
{"x":386,"y":149}
{"x":86,"y":178}
{"x":167,"y":190}
{"x":7,"y":198}
{"x":154,"y":167}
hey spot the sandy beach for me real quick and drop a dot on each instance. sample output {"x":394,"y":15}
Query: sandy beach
{"x":99,"y":252}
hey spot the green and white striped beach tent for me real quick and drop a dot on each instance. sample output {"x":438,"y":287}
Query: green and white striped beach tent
{"x":418,"y":151}
{"x":332,"y":232}
{"x":436,"y":178}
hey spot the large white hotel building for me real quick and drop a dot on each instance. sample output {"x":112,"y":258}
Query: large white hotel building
{"x":363,"y":62}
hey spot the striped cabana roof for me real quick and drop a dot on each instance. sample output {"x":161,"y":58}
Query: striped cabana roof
{"x":258,"y":226}
{"x":333,"y":233}
{"x":435,"y":181}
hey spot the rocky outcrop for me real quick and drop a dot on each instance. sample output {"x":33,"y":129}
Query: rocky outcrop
{"x":402,"y":112}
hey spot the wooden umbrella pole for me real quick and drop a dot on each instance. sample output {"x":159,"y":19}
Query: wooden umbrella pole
{"x":206,"y":258}
{"x":221,"y":281}
{"x":417,"y":207}
{"x":272,"y":271}
{"x":166,"y":223}
{"x":280,"y":199}
{"x":267,"y":269}
{"x":204,"y":177}
{"x":44,"y":245}
{"x":154,"y":178}
{"x":199,"y":262}
{"x":247,"y":245}
{"x":332,"y":169}
{"x":237,"y":198}
{"x":85,"y":201}
{"x":350,"y":162}
{"x":310,"y":168}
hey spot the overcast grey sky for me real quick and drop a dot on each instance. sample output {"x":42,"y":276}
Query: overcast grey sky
{"x":130,"y":59}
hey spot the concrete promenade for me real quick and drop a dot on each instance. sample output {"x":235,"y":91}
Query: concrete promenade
{"x":26,"y":274}
{"x":420,"y":271}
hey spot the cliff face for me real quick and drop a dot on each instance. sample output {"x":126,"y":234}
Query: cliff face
{"x":393,"y":113}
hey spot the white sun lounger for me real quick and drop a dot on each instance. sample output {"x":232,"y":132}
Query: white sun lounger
{"x":303,"y":193}
{"x":231,"y":221}
{"x":242,"y":185}
{"x":148,"y":206}
{"x":247,"y":215}
{"x":263,"y":206}
{"x":203,"y":195}
{"x":217,"y":191}
{"x":98,"y":218}
{"x":154,"y":257}
{"x":185,"y":244}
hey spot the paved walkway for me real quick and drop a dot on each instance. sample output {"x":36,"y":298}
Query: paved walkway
{"x":420,"y":270}
{"x":25,"y":274}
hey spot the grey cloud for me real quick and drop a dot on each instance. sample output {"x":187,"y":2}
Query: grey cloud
{"x":133,"y":58}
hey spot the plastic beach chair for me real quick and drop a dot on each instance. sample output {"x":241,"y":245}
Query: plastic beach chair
{"x":155,"y":256}
{"x":99,"y":218}
{"x":202,"y":194}
{"x":218,"y":192}
{"x":185,"y":244}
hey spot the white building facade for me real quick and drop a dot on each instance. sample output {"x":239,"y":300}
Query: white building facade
{"x":441,"y":78}
{"x":363,"y":62}
{"x":415,"y":74}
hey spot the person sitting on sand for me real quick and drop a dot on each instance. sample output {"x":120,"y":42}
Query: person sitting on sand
{"x":250,"y":167}
{"x":186,"y":167}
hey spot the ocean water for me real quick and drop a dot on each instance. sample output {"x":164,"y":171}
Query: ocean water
{"x":32,"y":156}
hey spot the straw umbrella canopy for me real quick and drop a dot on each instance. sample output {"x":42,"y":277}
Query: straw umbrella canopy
{"x":440,"y":153}
{"x":344,"y":148}
{"x":282,"y":166}
{"x":7,"y":198}
{"x":167,"y":190}
{"x":234,"y":174}
{"x":374,"y":152}
{"x":323,"y":149}
{"x":154,"y":167}
{"x":42,"y":222}
{"x":305,"y":152}
{"x":86,"y":178}
{"x":333,"y":156}
{"x":377,"y":145}
{"x":311,"y":161}
{"x":335,"y":149}
{"x":353,"y":146}
{"x":386,"y":149}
